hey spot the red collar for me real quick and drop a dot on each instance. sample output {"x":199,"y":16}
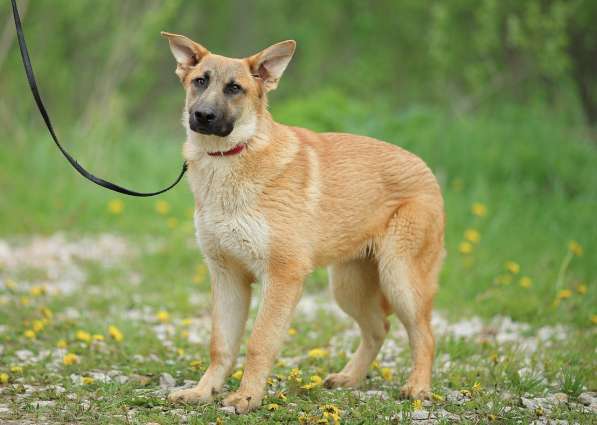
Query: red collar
{"x":235,"y":150}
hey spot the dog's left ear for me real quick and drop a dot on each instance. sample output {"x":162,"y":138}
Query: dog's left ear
{"x":269,"y":64}
{"x":186,"y":52}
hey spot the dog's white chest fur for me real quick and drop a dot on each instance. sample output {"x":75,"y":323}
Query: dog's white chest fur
{"x":227,"y":220}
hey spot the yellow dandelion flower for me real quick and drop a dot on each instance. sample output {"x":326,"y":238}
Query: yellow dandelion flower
{"x":184,"y":334}
{"x":479,"y":209}
{"x":386,"y":373}
{"x":4,"y":378}
{"x":272,"y":406}
{"x":61,"y":343}
{"x":472,"y":235}
{"x":25,"y":301}
{"x":37,"y":291}
{"x":330,"y":408}
{"x":512,"y":266}
{"x":38,"y":325}
{"x":525,"y":282}
{"x":465,"y":247}
{"x":70,"y":359}
{"x":477,"y":387}
{"x":417,"y":405}
{"x":292,"y":331}
{"x":196,"y":364}
{"x":29,"y":334}
{"x":88,"y":380}
{"x":582,"y":289}
{"x":308,"y":386}
{"x":163,"y":316}
{"x":10,"y":284}
{"x":316,"y":379}
{"x":375,"y":365}
{"x":47,"y":313}
{"x":115,"y":333}
{"x":564,"y":294}
{"x":238,"y":375}
{"x":465,"y":393}
{"x":186,"y":322}
{"x":317,"y":353}
{"x":295,"y":375}
{"x":594,"y":319}
{"x":98,"y":337}
{"x":16,"y":369}
{"x":172,"y":222}
{"x":162,"y":207}
{"x":575,"y":248}
{"x":180,"y":352}
{"x":437,"y":397}
{"x":115,"y":206}
{"x":83,"y":336}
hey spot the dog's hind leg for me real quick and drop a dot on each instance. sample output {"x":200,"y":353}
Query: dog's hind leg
{"x":355,"y":286}
{"x":231,"y":293}
{"x":409,"y":258}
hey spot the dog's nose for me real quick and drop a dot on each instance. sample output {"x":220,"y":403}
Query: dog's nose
{"x":205,"y":116}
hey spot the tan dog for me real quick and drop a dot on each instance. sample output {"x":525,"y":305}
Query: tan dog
{"x":273,"y":202}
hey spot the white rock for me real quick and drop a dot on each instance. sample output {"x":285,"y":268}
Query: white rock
{"x":228,"y":409}
{"x":43,"y":403}
{"x":167,"y":381}
{"x":419,"y":415}
{"x":588,"y":398}
{"x":23,"y":355}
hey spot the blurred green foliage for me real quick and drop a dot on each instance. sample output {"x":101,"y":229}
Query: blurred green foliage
{"x":102,"y":65}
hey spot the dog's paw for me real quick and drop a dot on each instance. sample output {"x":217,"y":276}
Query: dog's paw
{"x":340,"y":380}
{"x":191,"y":395}
{"x":415,"y":392}
{"x":242,"y":402}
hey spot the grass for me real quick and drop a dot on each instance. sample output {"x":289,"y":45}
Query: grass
{"x":532,"y":171}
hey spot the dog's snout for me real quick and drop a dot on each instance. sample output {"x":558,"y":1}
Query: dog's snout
{"x":205,"y":116}
{"x":207,"y":120}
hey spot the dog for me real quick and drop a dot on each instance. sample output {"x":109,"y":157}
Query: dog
{"x":273,"y":202}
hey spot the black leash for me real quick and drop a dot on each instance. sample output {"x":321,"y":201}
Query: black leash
{"x":46,"y":117}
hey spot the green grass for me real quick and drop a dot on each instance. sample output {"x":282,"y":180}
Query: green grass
{"x":533,"y":170}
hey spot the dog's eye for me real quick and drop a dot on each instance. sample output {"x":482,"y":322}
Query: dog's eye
{"x":200,"y":82}
{"x":232,"y":88}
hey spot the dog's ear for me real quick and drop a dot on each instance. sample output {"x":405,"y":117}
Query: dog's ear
{"x":269,"y":64}
{"x":186,"y":52}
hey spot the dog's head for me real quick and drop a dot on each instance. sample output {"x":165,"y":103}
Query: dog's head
{"x":225,"y":96}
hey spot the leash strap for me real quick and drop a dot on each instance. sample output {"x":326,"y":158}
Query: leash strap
{"x":42,"y":110}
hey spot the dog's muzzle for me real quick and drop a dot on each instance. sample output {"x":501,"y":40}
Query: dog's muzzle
{"x":208,"y":121}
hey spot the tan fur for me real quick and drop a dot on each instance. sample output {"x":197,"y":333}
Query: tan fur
{"x":294,"y":200}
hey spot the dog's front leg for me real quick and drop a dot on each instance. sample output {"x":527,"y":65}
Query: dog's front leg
{"x":231,"y":295}
{"x":279,"y":298}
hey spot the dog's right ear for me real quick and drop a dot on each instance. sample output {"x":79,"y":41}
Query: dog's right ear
{"x":186,"y":52}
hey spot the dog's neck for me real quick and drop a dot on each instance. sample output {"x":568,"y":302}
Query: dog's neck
{"x":236,"y":180}
{"x":255,"y":134}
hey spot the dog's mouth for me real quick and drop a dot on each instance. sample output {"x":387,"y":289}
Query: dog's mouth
{"x":210,"y":130}
{"x":234,"y":151}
